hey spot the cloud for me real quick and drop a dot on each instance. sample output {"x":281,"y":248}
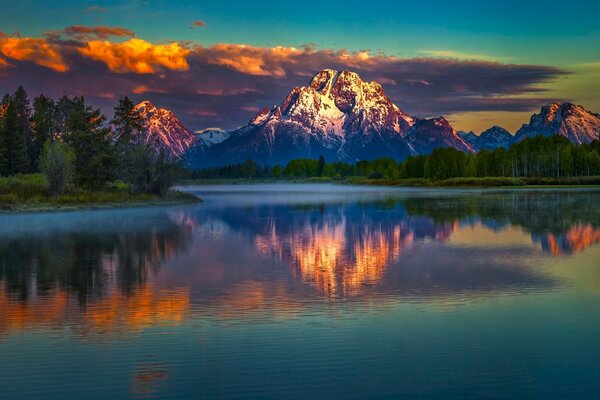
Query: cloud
{"x":228,"y":82}
{"x":198,"y":24}
{"x":36,"y":50}
{"x":249,"y":60}
{"x":84,"y":33}
{"x":142,"y":89}
{"x":137,"y":55}
{"x":4,"y":63}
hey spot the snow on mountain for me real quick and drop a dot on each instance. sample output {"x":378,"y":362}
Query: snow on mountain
{"x":164,"y":131}
{"x":211,"y":136}
{"x":567,"y":119}
{"x":339,"y":116}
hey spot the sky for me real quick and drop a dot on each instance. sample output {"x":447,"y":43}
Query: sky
{"x":216,"y":63}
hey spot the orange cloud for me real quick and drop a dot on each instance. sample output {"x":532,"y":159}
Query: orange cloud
{"x":198,"y":23}
{"x":137,"y":55}
{"x":4,"y":63}
{"x":145,"y":89}
{"x":36,"y":50}
{"x":251,"y":60}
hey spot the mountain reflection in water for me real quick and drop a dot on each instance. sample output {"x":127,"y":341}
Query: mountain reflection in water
{"x":294,"y":291}
{"x":121,"y":271}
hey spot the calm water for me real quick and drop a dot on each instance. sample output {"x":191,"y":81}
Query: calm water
{"x":308,"y":292}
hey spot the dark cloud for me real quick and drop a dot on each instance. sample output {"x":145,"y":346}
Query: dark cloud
{"x":82,"y":32}
{"x":221,"y":85}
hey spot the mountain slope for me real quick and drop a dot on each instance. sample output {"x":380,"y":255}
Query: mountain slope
{"x":164,"y":131}
{"x":429,"y":134}
{"x":339,"y":116}
{"x":567,"y":119}
{"x":489,"y":139}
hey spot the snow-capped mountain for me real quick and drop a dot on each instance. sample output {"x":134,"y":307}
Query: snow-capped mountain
{"x":567,"y":119}
{"x":164,"y":131}
{"x":211,"y":136}
{"x":490,"y":139}
{"x":339,"y":116}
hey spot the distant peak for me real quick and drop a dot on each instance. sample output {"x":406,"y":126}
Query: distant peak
{"x":145,"y":104}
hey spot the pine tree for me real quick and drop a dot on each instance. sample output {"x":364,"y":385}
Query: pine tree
{"x":321,"y":166}
{"x":42,"y":124}
{"x":16,"y":159}
{"x":23,"y":109}
{"x":95,"y":158}
{"x":127,"y":123}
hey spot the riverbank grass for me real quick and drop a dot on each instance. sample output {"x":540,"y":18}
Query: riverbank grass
{"x":30,"y":193}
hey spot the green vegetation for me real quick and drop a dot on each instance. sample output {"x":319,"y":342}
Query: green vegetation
{"x":80,"y":154}
{"x":534,"y":161}
{"x":30,"y":192}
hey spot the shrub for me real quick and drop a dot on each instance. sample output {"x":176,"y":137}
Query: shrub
{"x":56,"y":162}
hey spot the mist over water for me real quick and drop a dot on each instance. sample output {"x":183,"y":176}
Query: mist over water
{"x":306,"y":291}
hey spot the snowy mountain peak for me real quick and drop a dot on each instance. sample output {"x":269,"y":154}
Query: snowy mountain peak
{"x":338,"y":103}
{"x":164,"y":131}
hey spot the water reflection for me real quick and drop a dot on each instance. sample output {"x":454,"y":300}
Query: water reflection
{"x":124,"y":271}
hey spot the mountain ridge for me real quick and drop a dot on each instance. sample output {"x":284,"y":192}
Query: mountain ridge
{"x":343,"y":118}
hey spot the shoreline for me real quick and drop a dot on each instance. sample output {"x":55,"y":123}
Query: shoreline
{"x":174,"y":197}
{"x":462,"y":183}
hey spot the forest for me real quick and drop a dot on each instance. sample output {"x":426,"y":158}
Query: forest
{"x":67,"y":150}
{"x":538,"y":157}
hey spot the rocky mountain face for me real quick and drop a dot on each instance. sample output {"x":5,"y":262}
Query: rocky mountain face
{"x":567,"y":119}
{"x":339,"y":116}
{"x":163,"y":131}
{"x":490,"y":139}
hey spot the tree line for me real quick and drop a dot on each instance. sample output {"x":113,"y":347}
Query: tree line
{"x":537,"y":157}
{"x":74,"y":143}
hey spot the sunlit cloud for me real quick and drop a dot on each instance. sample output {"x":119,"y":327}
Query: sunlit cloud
{"x":137,"y":55}
{"x":36,"y":50}
{"x":198,"y":24}
{"x":249,"y":59}
{"x":142,"y":89}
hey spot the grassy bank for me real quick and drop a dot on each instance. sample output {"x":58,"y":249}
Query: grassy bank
{"x":22,"y":193}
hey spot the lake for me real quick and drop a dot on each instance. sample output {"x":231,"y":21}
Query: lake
{"x":306,"y":292}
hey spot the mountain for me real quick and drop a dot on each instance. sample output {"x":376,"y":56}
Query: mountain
{"x":339,"y":116}
{"x":490,"y":139}
{"x":429,"y":134}
{"x":567,"y":119}
{"x":212,"y":136}
{"x":164,"y":131}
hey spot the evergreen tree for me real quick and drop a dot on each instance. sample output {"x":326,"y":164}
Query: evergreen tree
{"x":86,"y":134}
{"x":42,"y":125}
{"x":321,"y":166}
{"x":16,"y":159}
{"x":127,"y":123}
{"x":23,"y":110}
